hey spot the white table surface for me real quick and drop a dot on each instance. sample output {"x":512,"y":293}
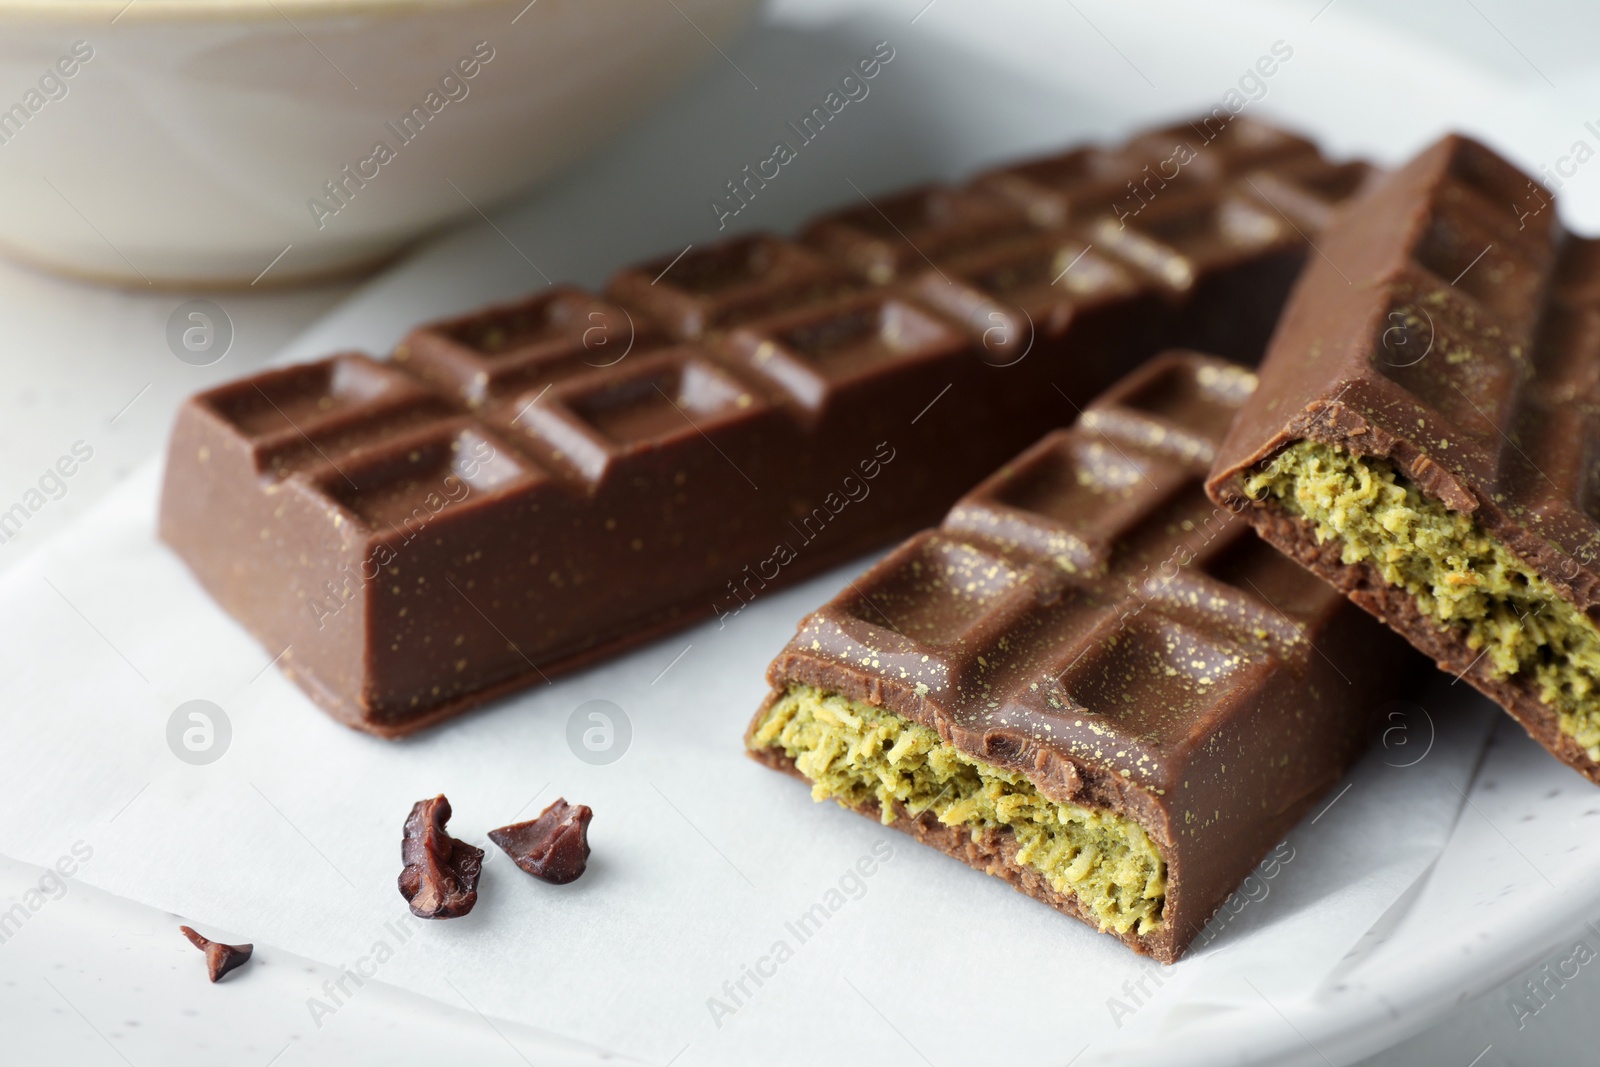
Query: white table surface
{"x":95,"y":979}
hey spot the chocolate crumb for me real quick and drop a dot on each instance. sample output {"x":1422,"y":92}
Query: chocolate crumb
{"x":220,"y":958}
{"x":440,"y":880}
{"x":554,"y":847}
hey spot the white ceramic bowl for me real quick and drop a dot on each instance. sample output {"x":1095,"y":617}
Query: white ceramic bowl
{"x":192,"y":142}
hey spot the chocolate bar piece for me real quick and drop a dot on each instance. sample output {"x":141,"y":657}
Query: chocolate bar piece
{"x":1090,"y":681}
{"x":527,"y":488}
{"x":1427,"y":431}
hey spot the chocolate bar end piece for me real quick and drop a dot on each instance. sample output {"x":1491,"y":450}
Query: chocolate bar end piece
{"x":220,"y":958}
{"x":1090,"y":681}
{"x":554,"y":847}
{"x":440,"y":879}
{"x":1425,"y":438}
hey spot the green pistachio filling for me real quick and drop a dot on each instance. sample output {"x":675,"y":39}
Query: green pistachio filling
{"x":1459,"y":575}
{"x":858,"y":754}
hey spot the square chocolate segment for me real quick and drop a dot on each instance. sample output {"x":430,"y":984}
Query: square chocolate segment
{"x":853,"y":346}
{"x":1055,"y":191}
{"x":659,"y":404}
{"x":894,"y":236}
{"x":937,"y":592}
{"x":303,"y":402}
{"x":548,"y":337}
{"x":713,"y":288}
{"x":1032,"y":292}
{"x":1177,"y":238}
{"x":1221,"y":145}
{"x":1072,"y":499}
{"x":294,"y":419}
{"x":413,"y":480}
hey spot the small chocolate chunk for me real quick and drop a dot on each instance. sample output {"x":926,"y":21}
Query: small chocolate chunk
{"x":440,"y":880}
{"x":220,"y":958}
{"x":554,"y":847}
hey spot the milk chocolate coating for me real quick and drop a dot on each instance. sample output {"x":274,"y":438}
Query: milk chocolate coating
{"x":528,"y":488}
{"x":1119,"y":640}
{"x":1496,"y":420}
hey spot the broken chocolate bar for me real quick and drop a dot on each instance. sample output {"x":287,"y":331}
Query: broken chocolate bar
{"x":220,"y":958}
{"x":554,"y":847}
{"x":1090,"y":681}
{"x":525,"y":489}
{"x":1425,"y":436}
{"x":440,"y":878}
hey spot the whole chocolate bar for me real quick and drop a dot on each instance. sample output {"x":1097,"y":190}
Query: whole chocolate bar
{"x":1426,"y":433}
{"x":1090,"y":681}
{"x":529,"y":487}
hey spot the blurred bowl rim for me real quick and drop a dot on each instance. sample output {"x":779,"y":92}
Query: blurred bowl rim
{"x":105,"y":12}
